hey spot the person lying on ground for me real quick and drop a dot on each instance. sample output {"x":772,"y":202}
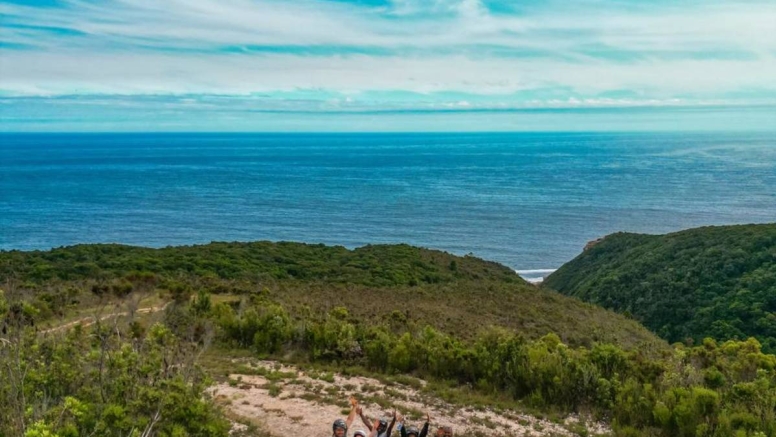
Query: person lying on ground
{"x":372,"y":428}
{"x":340,"y":427}
{"x":407,"y":431}
{"x":384,"y":429}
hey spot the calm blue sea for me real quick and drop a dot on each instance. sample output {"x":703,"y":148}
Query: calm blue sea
{"x":530,"y":201}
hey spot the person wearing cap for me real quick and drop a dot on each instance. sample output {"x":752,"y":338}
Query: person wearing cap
{"x":413,"y":430}
{"x":383,"y":429}
{"x":340,"y":427}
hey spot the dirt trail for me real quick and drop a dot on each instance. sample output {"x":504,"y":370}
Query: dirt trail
{"x":90,"y":320}
{"x":300,"y":404}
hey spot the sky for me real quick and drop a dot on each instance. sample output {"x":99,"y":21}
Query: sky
{"x":387,"y":65}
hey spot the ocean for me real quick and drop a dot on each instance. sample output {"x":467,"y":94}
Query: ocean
{"x":529,"y":201}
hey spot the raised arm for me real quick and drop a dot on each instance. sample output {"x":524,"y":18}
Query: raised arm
{"x":373,"y":428}
{"x":360,"y":412}
{"x":403,"y":428}
{"x":352,"y":415}
{"x":424,"y":431}
{"x":390,"y":425}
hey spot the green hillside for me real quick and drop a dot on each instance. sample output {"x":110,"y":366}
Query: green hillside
{"x":458,"y":295}
{"x":717,"y":282}
{"x":478,"y":334}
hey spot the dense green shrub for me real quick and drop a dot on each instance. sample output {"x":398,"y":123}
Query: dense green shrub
{"x":102,"y":381}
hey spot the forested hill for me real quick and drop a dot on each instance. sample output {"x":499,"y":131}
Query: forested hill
{"x":715,"y":282}
{"x":459,"y":295}
{"x":373,"y":265}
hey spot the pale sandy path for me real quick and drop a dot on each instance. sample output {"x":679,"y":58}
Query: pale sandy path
{"x":90,"y":320}
{"x":305,"y":406}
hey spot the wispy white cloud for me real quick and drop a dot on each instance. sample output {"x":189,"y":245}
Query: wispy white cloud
{"x":396,"y":53}
{"x":140,"y":73}
{"x":206,"y":24}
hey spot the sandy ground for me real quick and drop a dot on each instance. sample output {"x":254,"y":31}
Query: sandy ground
{"x":304,"y":405}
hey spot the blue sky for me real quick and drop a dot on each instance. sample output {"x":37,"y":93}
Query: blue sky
{"x":387,"y":65}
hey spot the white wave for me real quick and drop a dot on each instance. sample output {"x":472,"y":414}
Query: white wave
{"x":534,"y":275}
{"x":535,"y":271}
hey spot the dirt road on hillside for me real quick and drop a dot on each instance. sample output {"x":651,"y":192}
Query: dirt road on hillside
{"x":90,"y":320}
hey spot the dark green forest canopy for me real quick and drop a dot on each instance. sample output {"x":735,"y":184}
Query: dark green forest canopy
{"x":715,"y":282}
{"x":458,"y":295}
{"x":380,"y":265}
